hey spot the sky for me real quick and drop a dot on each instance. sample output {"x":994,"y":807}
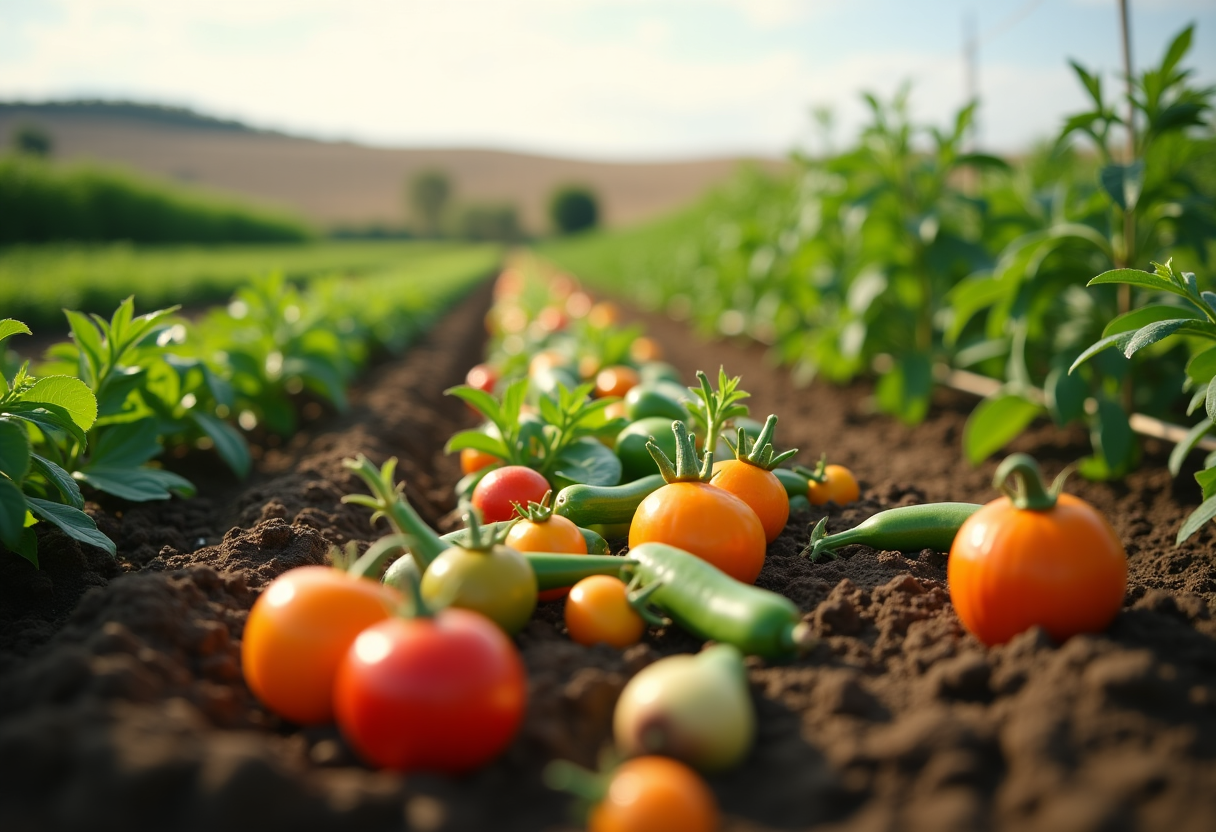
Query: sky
{"x":594,"y":79}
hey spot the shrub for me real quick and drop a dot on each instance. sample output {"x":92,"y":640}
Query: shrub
{"x":573,"y":208}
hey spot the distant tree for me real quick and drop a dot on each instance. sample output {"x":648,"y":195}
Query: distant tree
{"x":32,"y":140}
{"x":573,"y":208}
{"x":489,"y":222}
{"x":429,"y":192}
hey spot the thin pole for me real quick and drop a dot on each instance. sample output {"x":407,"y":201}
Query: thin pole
{"x":1129,"y":212}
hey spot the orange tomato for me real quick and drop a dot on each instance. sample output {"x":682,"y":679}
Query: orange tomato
{"x":707,"y":521}
{"x":598,"y":612}
{"x":760,"y":489}
{"x":556,"y":534}
{"x":1063,"y":569}
{"x":298,"y":631}
{"x":645,"y":348}
{"x":655,"y":794}
{"x":616,"y":380}
{"x":473,"y":460}
{"x":604,"y":314}
{"x":840,"y":487}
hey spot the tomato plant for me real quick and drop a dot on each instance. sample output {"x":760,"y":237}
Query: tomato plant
{"x":540,"y":530}
{"x":498,"y":491}
{"x":693,"y":515}
{"x":301,"y":626}
{"x":440,"y":692}
{"x":749,"y":476}
{"x":598,"y":611}
{"x":1035,"y":557}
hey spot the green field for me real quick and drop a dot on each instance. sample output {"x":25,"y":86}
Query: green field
{"x":38,"y":282}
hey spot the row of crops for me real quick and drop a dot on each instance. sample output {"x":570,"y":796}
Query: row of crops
{"x":105,"y":406}
{"x":910,"y":258}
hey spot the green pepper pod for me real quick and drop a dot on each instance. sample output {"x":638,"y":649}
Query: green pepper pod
{"x":712,"y":605}
{"x":795,"y":484}
{"x":903,"y":529}
{"x":553,"y":570}
{"x":604,"y":504}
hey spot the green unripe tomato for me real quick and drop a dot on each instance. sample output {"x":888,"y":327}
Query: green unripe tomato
{"x":645,"y":401}
{"x":636,"y":461}
{"x":498,"y":583}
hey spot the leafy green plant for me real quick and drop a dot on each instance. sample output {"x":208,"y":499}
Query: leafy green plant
{"x":1196,"y":323}
{"x":561,"y":442}
{"x":1151,"y":206}
{"x":41,"y":418}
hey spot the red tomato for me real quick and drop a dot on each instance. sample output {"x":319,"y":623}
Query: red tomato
{"x":298,"y":631}
{"x":655,"y":794}
{"x":498,"y":490}
{"x":482,"y":377}
{"x":443,"y":694}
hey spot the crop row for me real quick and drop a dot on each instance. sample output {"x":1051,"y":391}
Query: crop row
{"x":105,"y":405}
{"x":910,"y":258}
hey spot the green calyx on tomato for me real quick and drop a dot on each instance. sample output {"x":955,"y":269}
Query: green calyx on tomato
{"x":533,"y":511}
{"x":1028,"y":491}
{"x":388,"y":500}
{"x":631,"y":442}
{"x":685,"y":467}
{"x":760,"y":451}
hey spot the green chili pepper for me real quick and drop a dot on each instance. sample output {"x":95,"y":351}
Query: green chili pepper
{"x":710,"y":604}
{"x":903,"y":529}
{"x":604,"y":504}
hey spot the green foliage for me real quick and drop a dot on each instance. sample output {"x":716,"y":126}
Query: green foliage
{"x":42,"y":419}
{"x":429,"y":192}
{"x":32,"y":140}
{"x":488,"y":222}
{"x":574,"y":208}
{"x":42,"y":203}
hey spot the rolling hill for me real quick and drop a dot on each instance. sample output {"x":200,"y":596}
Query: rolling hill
{"x":342,"y":184}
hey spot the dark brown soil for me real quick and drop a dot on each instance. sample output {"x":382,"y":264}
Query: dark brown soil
{"x":122,"y":704}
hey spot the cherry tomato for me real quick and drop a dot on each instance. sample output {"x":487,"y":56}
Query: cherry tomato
{"x":615,"y":381}
{"x":498,"y":491}
{"x":473,"y":460}
{"x":644,"y":349}
{"x":498,"y":583}
{"x":598,"y":611}
{"x":554,"y":534}
{"x":655,"y":794}
{"x":1063,"y":569}
{"x":298,"y":631}
{"x":760,"y":489}
{"x":481,"y":377}
{"x":840,"y":487}
{"x":604,"y":314}
{"x":707,"y":521}
{"x":551,"y":318}
{"x":443,"y":694}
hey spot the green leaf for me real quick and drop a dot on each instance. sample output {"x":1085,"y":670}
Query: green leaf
{"x":994,"y":423}
{"x":14,"y":450}
{"x":479,"y":441}
{"x":1123,"y":183}
{"x":136,"y":484}
{"x":1135,"y":277}
{"x":10,"y":327}
{"x":982,"y":160}
{"x":1210,"y":401}
{"x":12,"y":513}
{"x":1119,"y":339}
{"x":1145,"y":315}
{"x":1202,"y":367}
{"x":116,"y":389}
{"x":1092,"y":83}
{"x":586,"y":461}
{"x":904,"y":391}
{"x":126,"y":445}
{"x":1207,"y":481}
{"x":69,"y":393}
{"x":1177,"y":49}
{"x":1113,"y":437}
{"x":1065,"y":394}
{"x":1186,"y":444}
{"x":229,"y":443}
{"x":73,"y":522}
{"x":1151,"y":334}
{"x":61,"y":479}
{"x":49,"y":418}
{"x":479,"y":400}
{"x":1197,"y":520}
{"x":88,"y":341}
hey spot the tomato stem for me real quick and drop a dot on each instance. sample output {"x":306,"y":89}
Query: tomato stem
{"x":1020,"y":478}
{"x":409,"y":580}
{"x":760,"y":453}
{"x":372,"y":562}
{"x":535,"y":512}
{"x":685,"y":468}
{"x":639,"y":599}
{"x":388,"y":500}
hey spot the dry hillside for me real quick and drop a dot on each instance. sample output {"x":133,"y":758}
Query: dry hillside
{"x":345,"y":184}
